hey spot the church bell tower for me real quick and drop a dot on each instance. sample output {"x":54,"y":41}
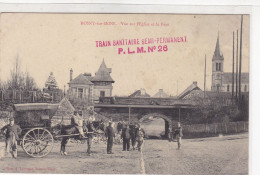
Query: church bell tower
{"x":217,"y":69}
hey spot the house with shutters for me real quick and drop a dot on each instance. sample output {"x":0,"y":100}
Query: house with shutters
{"x":89,"y":88}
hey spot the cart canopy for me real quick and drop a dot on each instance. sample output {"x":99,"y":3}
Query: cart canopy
{"x":35,"y":106}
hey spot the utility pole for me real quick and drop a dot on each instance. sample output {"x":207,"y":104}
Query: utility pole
{"x":233,"y":72}
{"x":240,"y":59}
{"x":205,"y":78}
{"x":237,"y":68}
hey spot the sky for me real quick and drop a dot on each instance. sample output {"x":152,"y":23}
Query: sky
{"x":58,"y":42}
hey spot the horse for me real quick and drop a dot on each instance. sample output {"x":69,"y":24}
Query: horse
{"x":71,"y":131}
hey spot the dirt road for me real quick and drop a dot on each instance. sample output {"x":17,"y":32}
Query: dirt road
{"x":225,"y":155}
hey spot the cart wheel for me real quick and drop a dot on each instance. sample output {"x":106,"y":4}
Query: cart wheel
{"x":37,"y":142}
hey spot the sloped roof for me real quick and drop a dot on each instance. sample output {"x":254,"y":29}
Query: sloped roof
{"x":161,"y":94}
{"x":103,"y":73}
{"x":138,"y":94}
{"x":81,"y":79}
{"x":190,"y":88}
{"x":227,"y":78}
{"x":65,"y":108}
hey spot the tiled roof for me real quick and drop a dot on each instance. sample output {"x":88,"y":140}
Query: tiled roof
{"x":192,"y":87}
{"x":81,"y":79}
{"x":227,"y":78}
{"x":103,"y":74}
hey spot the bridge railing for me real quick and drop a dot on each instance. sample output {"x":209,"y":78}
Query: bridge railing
{"x":143,"y":101}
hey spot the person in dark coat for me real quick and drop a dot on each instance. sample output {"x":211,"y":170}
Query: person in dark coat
{"x":133,"y":130}
{"x":110,"y":134}
{"x":11,"y":132}
{"x":119,"y":127}
{"x":126,"y":138}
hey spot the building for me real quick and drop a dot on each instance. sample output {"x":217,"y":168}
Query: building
{"x":222,"y":81}
{"x":89,"y":88}
{"x":191,"y":91}
{"x":161,"y":94}
{"x":140,"y":94}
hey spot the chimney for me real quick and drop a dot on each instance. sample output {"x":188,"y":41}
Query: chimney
{"x":71,"y":74}
{"x":195,"y":83}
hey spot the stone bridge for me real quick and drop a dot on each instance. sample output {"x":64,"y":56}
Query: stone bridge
{"x":135,"y":110}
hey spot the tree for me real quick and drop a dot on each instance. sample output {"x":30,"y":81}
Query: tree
{"x":19,"y":80}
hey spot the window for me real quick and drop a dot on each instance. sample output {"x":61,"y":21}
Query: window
{"x":216,"y":66}
{"x":219,"y":66}
{"x":102,"y":93}
{"x":245,"y":88}
{"x":80,"y":93}
{"x":227,"y":88}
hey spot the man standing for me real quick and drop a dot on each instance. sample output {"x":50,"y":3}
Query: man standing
{"x":91,"y":129}
{"x":126,"y":138}
{"x":179,"y":135}
{"x":133,"y":130}
{"x":110,"y":134}
{"x":140,"y":138}
{"x":119,"y":127}
{"x":11,"y":132}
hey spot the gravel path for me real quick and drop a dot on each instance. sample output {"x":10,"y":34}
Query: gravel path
{"x":225,"y":155}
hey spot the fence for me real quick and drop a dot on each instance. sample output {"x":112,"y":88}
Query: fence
{"x":19,"y":96}
{"x":204,"y":130}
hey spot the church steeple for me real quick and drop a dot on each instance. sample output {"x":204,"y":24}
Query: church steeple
{"x":217,"y":68}
{"x":217,"y":55}
{"x":217,"y":51}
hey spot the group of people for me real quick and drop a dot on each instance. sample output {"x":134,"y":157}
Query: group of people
{"x":135,"y":134}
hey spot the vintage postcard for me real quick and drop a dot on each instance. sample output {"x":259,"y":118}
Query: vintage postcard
{"x":124,"y":93}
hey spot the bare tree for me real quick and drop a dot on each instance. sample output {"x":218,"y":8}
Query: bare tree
{"x":19,"y":80}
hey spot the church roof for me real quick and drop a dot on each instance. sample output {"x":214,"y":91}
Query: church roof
{"x":217,"y":55}
{"x":82,"y":79}
{"x":190,"y":88}
{"x":227,"y":78}
{"x":103,"y":74}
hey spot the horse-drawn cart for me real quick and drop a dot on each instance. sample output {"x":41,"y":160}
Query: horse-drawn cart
{"x":35,"y":121}
{"x":38,"y":134}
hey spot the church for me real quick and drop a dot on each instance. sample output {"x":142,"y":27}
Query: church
{"x":222,"y":81}
{"x":89,"y":88}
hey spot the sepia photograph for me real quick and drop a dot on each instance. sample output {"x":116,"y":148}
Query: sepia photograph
{"x":124,"y":93}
